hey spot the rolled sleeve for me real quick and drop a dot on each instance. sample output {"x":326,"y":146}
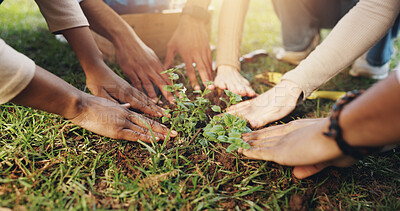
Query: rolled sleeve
{"x":62,"y":14}
{"x":16,"y":72}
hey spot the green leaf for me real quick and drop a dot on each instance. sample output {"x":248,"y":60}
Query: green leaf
{"x":236,"y":141}
{"x":235,"y":134}
{"x":178,"y":86}
{"x":197,"y":91}
{"x":229,"y":119}
{"x":216,"y":108}
{"x":232,"y":147}
{"x":211,"y":135}
{"x":164,"y":119}
{"x":173,"y":76}
{"x":218,"y":128}
{"x":245,"y":145}
{"x":169,"y":88}
{"x":222,"y":138}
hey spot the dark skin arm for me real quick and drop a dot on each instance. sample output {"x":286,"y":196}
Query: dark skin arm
{"x":138,"y":62}
{"x":49,"y":93}
{"x":100,"y":79}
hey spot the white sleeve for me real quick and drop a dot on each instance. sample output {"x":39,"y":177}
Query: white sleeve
{"x":16,"y":72}
{"x":355,"y":33}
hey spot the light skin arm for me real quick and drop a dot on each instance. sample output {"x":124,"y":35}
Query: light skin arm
{"x":192,"y":43}
{"x":49,"y":93}
{"x":368,"y":121}
{"x":138,"y":62}
{"x":100,"y":79}
{"x":230,"y":29}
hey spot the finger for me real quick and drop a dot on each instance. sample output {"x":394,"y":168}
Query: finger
{"x":144,"y":131}
{"x":239,"y":106}
{"x":250,"y":92}
{"x":264,"y":133}
{"x":258,"y":153}
{"x":146,"y":108}
{"x":134,"y":79}
{"x":265,"y":142}
{"x":154,"y":126}
{"x":191,"y":73}
{"x":219,"y":83}
{"x":105,"y":94}
{"x":138,"y":96}
{"x":302,"y":172}
{"x":148,"y":86}
{"x":169,"y":57}
{"x":204,"y":72}
{"x":130,"y":135}
{"x":161,"y":84}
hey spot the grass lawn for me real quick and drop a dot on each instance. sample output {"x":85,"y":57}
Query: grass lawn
{"x":47,"y":163}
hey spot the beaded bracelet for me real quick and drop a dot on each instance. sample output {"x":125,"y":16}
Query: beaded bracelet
{"x":335,"y":131}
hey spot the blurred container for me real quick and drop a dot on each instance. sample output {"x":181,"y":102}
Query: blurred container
{"x":138,"y":6}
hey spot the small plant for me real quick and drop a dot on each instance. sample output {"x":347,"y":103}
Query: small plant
{"x":227,"y":128}
{"x":188,"y":113}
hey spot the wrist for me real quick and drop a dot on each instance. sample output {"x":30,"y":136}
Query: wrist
{"x":74,"y":104}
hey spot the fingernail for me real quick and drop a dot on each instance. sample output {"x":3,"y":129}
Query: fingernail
{"x":157,"y":138}
{"x":159,"y":114}
{"x":210,"y":87}
{"x":240,"y":150}
{"x":174,"y":133}
{"x":154,"y":100}
{"x":197,"y":87}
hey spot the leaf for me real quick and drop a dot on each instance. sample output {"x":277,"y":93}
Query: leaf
{"x":216,"y":108}
{"x":168,"y":88}
{"x":235,"y":134}
{"x":197,"y":91}
{"x":229,"y":119}
{"x":222,"y":138}
{"x":218,"y":128}
{"x":178,"y":86}
{"x":236,"y":141}
{"x":164,"y":119}
{"x":211,"y":135}
{"x":232,"y":147}
{"x":173,"y":76}
{"x":245,"y":145}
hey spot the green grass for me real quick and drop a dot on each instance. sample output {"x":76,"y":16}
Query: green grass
{"x":46,"y":163}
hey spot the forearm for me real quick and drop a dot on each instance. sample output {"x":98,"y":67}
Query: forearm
{"x":106,"y":22}
{"x":230,"y":30}
{"x":85,"y":48}
{"x":355,"y":33}
{"x":49,"y":93}
{"x":372,"y":119}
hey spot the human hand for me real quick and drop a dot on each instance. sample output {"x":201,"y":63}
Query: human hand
{"x":191,"y":41}
{"x":113,"y":120}
{"x":103,"y":82}
{"x":141,"y":65}
{"x":300,"y":143}
{"x":230,"y":78}
{"x":272,"y":105}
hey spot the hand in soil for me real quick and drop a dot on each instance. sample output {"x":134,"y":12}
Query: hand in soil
{"x":300,"y":143}
{"x":272,"y":105}
{"x":231,"y":79}
{"x":113,"y":120}
{"x":105,"y":83}
{"x":142,"y":66}
{"x":191,"y":41}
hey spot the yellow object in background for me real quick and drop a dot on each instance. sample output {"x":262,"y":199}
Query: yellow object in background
{"x":273,"y":78}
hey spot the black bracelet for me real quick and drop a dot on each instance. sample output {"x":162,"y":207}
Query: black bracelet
{"x":335,"y":131}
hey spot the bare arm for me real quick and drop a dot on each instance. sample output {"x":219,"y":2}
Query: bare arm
{"x":49,"y":93}
{"x":192,"y":43}
{"x":138,"y":62}
{"x":370,"y":120}
{"x":100,"y":79}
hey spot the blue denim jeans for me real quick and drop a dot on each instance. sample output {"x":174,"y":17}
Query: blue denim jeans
{"x":382,"y":51}
{"x":301,"y":20}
